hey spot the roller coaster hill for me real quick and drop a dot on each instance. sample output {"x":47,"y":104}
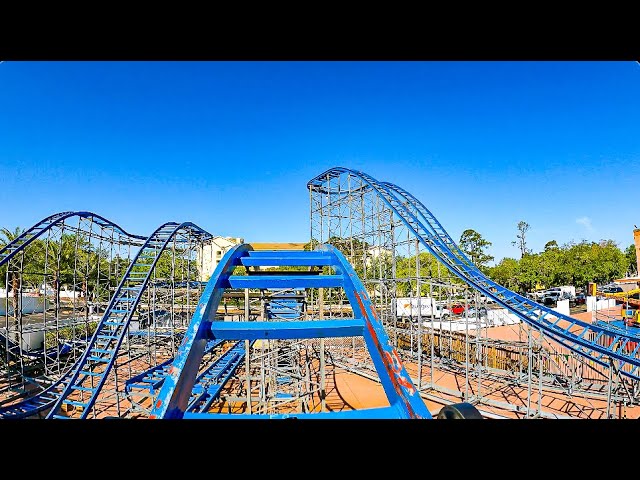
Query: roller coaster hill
{"x":152,"y":332}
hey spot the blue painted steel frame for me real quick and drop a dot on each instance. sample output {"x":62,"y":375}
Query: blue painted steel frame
{"x":137,"y":381}
{"x":397,"y":384}
{"x":50,"y":396}
{"x":560,"y":335}
{"x":76,"y":369}
{"x":44,"y":399}
{"x":466,"y":271}
{"x":204,"y":393}
{"x":173,"y":400}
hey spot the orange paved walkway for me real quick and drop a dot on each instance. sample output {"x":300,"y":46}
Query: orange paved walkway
{"x":361,"y":392}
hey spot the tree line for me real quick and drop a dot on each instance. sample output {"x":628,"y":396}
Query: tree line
{"x":570,"y":264}
{"x":72,"y":260}
{"x":573,"y":263}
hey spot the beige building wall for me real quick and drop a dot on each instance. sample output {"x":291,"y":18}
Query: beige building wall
{"x":210,"y":254}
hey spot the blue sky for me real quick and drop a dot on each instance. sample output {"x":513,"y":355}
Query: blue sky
{"x":230,"y":146}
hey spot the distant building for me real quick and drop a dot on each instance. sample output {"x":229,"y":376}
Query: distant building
{"x":210,"y":254}
{"x":276,"y":246}
{"x":375,"y":252}
{"x":629,"y":283}
{"x":636,"y":241}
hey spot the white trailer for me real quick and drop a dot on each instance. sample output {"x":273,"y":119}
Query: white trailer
{"x":427,"y":307}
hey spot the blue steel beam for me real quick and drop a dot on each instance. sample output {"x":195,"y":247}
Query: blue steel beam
{"x":283,"y":261}
{"x":209,"y":384}
{"x":294,"y":256}
{"x":395,"y":380}
{"x":37,"y":403}
{"x":520,"y":305}
{"x":283,"y":281}
{"x":380,"y":413}
{"x":153,"y":377}
{"x":431,"y":221}
{"x":287,"y":329}
{"x":172,"y":401}
{"x":173,"y":398}
{"x":150,"y":379}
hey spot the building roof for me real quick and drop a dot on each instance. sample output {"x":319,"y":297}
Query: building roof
{"x":628,"y":280}
{"x":278,"y":246}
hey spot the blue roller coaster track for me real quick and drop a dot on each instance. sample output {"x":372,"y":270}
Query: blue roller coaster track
{"x":45,"y":398}
{"x":592,"y":341}
{"x":28,"y":236}
{"x":151,"y":379}
{"x":209,"y":383}
{"x":89,"y":373}
{"x":173,"y":401}
{"x":91,"y":370}
{"x":183,"y":392}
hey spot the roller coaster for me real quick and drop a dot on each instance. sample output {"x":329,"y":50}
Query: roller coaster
{"x":140,"y":337}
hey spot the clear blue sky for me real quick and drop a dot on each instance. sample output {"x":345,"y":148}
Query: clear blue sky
{"x":230,"y":146}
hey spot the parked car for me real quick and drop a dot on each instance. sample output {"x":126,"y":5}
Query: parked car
{"x":551,"y":298}
{"x":580,"y":299}
{"x":611,"y":289}
{"x":457,"y":309}
{"x":481,"y":312}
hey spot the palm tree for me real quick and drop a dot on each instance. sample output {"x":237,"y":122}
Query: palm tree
{"x":63,"y":254}
{"x":14,"y":278}
{"x":9,"y":236}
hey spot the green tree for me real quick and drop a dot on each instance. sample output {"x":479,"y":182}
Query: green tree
{"x":474,"y":246}
{"x":176,"y":265}
{"x":521,"y":242}
{"x":529,"y":273}
{"x":505,"y":273}
{"x":551,"y":245}
{"x":64,"y":257}
{"x":13,"y":279}
{"x":610,"y":262}
{"x":632,"y":261}
{"x":551,"y":269}
{"x":407,"y":269}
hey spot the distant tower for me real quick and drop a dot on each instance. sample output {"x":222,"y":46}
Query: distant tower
{"x":636,"y":240}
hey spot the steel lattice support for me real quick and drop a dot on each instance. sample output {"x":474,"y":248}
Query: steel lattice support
{"x":405,"y":257}
{"x":61,"y":275}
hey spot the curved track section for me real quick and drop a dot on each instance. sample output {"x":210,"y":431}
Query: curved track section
{"x":88,"y":375}
{"x":436,"y":227}
{"x":94,"y":365}
{"x":151,"y":379}
{"x":18,"y":244}
{"x":173,"y":401}
{"x":594,"y":342}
